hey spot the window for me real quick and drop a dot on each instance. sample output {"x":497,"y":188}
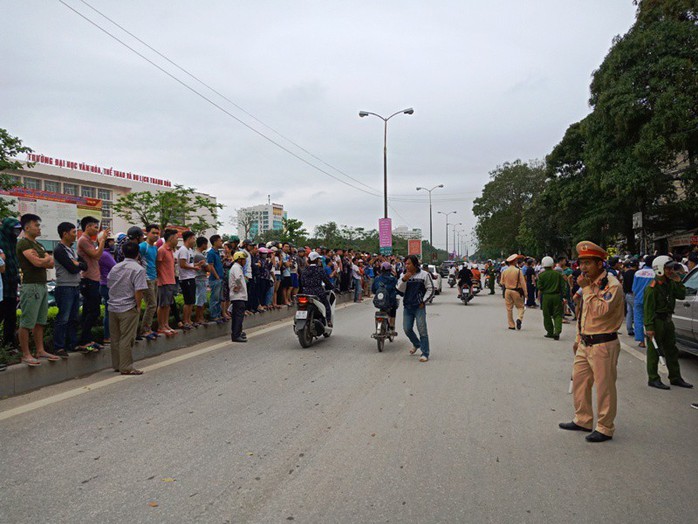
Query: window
{"x":88,"y":192}
{"x":104,"y":194}
{"x":691,"y":283}
{"x":54,"y":187}
{"x":32,"y":183}
{"x":70,"y":189}
{"x":106,"y":209}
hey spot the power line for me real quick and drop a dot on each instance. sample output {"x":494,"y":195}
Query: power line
{"x":217,"y":106}
{"x":190,"y":74}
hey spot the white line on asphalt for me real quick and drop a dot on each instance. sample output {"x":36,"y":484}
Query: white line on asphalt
{"x":113,"y":380}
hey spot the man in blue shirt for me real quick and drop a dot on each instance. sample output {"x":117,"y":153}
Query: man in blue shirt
{"x":149,"y":253}
{"x":213,"y":258}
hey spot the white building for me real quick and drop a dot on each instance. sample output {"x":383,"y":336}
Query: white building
{"x":255,"y":220}
{"x":60,"y":190}
{"x":407,"y":234}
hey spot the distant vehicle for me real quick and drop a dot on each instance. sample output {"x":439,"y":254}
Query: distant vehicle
{"x":438,"y":282}
{"x":445,"y":266}
{"x":686,"y":315}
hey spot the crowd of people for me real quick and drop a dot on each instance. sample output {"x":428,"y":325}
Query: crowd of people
{"x":221,"y":280}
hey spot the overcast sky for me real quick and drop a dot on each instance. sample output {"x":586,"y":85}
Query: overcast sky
{"x":490,"y":82}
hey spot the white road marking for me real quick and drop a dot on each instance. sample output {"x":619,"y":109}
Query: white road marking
{"x":113,"y":380}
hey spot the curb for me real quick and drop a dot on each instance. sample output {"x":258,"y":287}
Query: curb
{"x":19,"y":378}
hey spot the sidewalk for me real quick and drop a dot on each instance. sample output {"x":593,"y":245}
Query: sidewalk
{"x":19,"y":378}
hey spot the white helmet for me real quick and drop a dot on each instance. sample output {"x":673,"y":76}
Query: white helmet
{"x":659,"y":263}
{"x":547,"y":262}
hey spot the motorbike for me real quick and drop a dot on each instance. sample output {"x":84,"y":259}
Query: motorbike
{"x":383,"y":329}
{"x":451,"y":280}
{"x":310,"y":320}
{"x":466,"y":294}
{"x":476,"y":287}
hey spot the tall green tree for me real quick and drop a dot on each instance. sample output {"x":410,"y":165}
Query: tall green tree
{"x":293,"y":231}
{"x":10,"y":147}
{"x":179,"y":206}
{"x":504,"y":201}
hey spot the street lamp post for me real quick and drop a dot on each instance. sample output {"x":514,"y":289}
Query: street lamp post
{"x":449,"y":213}
{"x":362,"y":114}
{"x":431,"y":232}
{"x":455,"y":247}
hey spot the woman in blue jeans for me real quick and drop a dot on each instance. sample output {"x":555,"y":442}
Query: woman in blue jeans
{"x":417,"y":287}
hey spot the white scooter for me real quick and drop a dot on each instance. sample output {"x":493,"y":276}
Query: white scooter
{"x":310,"y":320}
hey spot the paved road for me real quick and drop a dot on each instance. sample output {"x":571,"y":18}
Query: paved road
{"x":270,"y":432}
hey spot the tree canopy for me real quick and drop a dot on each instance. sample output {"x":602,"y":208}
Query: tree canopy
{"x":180,"y":206}
{"x":10,"y":147}
{"x":635,"y":152}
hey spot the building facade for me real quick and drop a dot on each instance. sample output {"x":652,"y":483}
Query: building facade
{"x":64,"y":191}
{"x":407,"y":234}
{"x":255,"y":220}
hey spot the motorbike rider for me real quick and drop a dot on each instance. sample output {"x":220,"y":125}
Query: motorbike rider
{"x":465,"y":278}
{"x":311,"y":280}
{"x":389,"y":281}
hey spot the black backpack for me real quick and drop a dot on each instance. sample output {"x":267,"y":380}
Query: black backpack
{"x":381,"y":300}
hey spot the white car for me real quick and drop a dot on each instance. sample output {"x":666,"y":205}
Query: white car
{"x":438,"y":281}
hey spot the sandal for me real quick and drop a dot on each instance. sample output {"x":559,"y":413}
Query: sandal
{"x":132,"y":372}
{"x":50,"y":357}
{"x":31,"y":361}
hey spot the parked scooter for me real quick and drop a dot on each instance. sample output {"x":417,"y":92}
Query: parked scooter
{"x":310,"y":320}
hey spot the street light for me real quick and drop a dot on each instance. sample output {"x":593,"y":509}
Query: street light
{"x":431,"y":232}
{"x":449,"y":213}
{"x":456,"y":248}
{"x":362,"y":114}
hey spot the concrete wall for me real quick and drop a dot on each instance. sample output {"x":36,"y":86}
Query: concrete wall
{"x":21,"y":378}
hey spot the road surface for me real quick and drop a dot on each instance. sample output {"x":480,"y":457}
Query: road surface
{"x":270,"y":432}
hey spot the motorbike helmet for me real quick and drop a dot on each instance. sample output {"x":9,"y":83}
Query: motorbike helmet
{"x":547,"y":262}
{"x":385,"y":266}
{"x":660,"y":263}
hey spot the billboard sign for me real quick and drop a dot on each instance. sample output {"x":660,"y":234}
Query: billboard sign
{"x":385,"y":235}
{"x":53,"y":208}
{"x":414,"y":247}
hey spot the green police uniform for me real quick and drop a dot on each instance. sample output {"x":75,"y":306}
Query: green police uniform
{"x":552,"y":287}
{"x":660,"y":299}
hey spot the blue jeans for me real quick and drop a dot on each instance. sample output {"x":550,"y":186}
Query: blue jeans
{"x":357,"y":289}
{"x":214,"y":301}
{"x":629,"y":312}
{"x":408,"y":319}
{"x":104,"y":292}
{"x":639,"y":310}
{"x":65,"y":328}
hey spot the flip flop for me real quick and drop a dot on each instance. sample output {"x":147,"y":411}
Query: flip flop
{"x":132,"y":372}
{"x":31,"y":362}
{"x":50,"y":358}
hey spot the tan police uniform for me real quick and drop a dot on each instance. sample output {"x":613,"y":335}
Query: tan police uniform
{"x":513,"y":279}
{"x":598,"y":347}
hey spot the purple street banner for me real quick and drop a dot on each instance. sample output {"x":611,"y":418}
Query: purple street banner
{"x":385,"y":235}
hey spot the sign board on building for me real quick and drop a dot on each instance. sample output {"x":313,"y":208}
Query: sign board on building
{"x":385,"y":235}
{"x":414,"y":247}
{"x":683,"y":240}
{"x":53,"y":208}
{"x":89,"y":168}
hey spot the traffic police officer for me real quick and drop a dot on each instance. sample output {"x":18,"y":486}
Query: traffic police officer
{"x":660,"y":298}
{"x":513,"y":281}
{"x":551,"y":288}
{"x":597,"y":346}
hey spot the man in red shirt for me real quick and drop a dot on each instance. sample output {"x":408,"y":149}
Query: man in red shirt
{"x":89,"y":284}
{"x":167,"y":285}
